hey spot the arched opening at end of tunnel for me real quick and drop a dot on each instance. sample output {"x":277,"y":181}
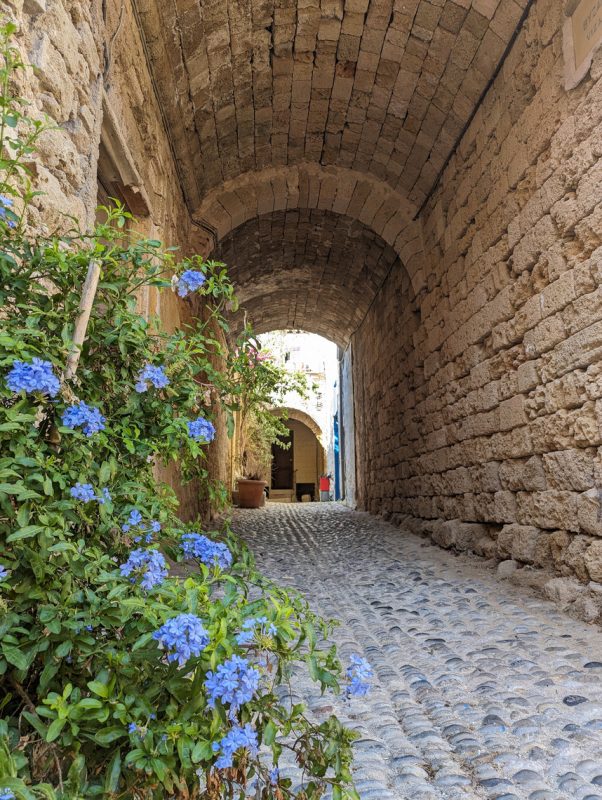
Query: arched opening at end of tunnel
{"x":332,"y":274}
{"x":314,"y":461}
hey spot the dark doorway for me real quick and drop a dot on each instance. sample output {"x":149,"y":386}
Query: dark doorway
{"x":282,"y":464}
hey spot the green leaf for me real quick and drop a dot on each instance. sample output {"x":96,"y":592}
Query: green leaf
{"x":16,"y":657}
{"x":36,"y":723}
{"x":89,"y":703}
{"x":269,"y":733}
{"x":25,"y":533}
{"x":105,"y":472}
{"x":101,"y":689}
{"x":143,"y":640}
{"x":202,"y":751}
{"x":113,"y":773}
{"x":107,"y":735}
{"x":54,"y":729}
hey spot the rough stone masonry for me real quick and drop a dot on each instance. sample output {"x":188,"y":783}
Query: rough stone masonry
{"x":369,"y":174}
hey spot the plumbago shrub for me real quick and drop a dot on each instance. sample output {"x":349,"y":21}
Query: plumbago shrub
{"x":124,"y":674}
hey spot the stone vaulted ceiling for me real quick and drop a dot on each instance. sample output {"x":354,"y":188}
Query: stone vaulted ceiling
{"x":370,"y":95}
{"x":306,"y":269}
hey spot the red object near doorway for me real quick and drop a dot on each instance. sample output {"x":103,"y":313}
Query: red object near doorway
{"x":324,"y":483}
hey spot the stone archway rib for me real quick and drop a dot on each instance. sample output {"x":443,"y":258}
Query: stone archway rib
{"x":310,"y":186}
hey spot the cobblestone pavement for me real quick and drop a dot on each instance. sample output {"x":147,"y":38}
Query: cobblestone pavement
{"x":480,"y":690}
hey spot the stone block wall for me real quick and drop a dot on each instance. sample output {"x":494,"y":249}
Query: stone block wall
{"x":90,"y":56}
{"x":479,"y":402}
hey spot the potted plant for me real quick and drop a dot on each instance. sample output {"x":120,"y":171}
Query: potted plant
{"x":260,"y":383}
{"x":251,"y":491}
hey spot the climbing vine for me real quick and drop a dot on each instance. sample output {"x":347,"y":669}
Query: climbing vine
{"x":139,"y":657}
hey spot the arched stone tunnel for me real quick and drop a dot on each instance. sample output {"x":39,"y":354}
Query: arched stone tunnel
{"x":416,"y":181}
{"x":419,"y":181}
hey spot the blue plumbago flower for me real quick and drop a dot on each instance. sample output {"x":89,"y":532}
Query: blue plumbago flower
{"x":236,"y":739}
{"x":134,"y":521}
{"x":6,"y":794}
{"x":83,"y":491}
{"x":210,"y":553}
{"x":35,"y":376}
{"x":245,"y":637}
{"x":150,"y":565}
{"x":234,"y":682}
{"x":359,"y":673}
{"x":4,"y":573}
{"x":189,"y":281}
{"x":250,"y":626}
{"x":104,"y":496}
{"x":201,"y":430}
{"x":6,"y":212}
{"x":132,"y":727}
{"x":274,"y":776}
{"x":88,"y":417}
{"x":154,"y":376}
{"x":155,"y":526}
{"x":183,"y":636}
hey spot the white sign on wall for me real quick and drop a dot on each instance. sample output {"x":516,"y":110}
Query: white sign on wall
{"x":582,"y":35}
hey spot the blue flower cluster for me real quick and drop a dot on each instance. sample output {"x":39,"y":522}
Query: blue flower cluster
{"x":6,"y":215}
{"x":85,"y":492}
{"x":36,"y":376}
{"x":3,"y":573}
{"x":6,"y":794}
{"x":236,"y":739}
{"x":88,"y":417}
{"x":190,"y":281}
{"x":155,"y":376}
{"x":149,"y":565}
{"x":274,"y":776}
{"x":234,"y":682}
{"x":135,"y":521}
{"x":359,"y":673}
{"x":249,"y":629}
{"x":183,"y":636}
{"x":210,"y":553}
{"x":201,"y":430}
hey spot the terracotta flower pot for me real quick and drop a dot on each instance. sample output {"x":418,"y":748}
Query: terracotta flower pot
{"x":250,"y":493}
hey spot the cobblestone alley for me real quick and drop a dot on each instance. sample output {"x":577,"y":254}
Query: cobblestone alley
{"x":480,"y":689}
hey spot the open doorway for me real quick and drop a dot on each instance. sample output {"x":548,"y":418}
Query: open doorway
{"x":283,"y":463}
{"x":319,"y":424}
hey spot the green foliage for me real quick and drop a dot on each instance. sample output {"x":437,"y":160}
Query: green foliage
{"x":260,"y":384}
{"x":89,"y":704}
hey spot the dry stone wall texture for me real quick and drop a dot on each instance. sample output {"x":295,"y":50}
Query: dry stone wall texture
{"x":479,"y":402}
{"x":89,"y":56}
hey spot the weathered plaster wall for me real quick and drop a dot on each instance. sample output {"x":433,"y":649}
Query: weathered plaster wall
{"x":306,"y":455}
{"x":480,"y":401}
{"x":81,"y":56}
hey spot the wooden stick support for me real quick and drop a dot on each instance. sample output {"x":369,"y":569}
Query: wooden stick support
{"x":83,"y":317}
